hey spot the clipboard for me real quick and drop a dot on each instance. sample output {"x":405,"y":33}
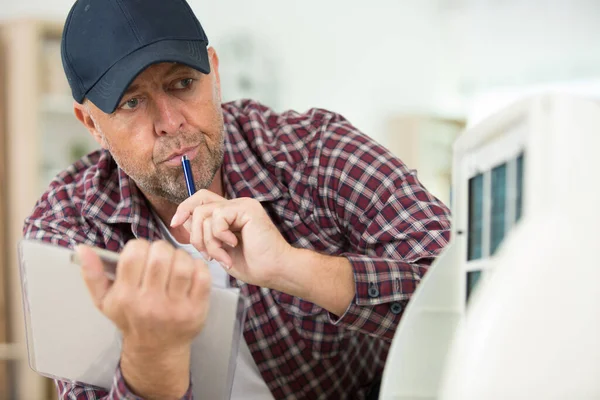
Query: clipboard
{"x":69,"y":339}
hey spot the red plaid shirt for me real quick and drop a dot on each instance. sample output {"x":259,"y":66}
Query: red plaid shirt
{"x":328,"y":188}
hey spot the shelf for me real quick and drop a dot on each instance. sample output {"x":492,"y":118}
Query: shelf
{"x":10,"y":351}
{"x":33,"y":75}
{"x":56,"y":104}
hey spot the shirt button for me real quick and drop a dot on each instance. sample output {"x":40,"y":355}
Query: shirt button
{"x":396,"y":308}
{"x":373,"y":291}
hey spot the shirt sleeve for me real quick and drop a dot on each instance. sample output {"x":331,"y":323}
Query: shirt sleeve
{"x":67,"y":228}
{"x":394,"y":227}
{"x":59,"y":223}
{"x":119,"y":390}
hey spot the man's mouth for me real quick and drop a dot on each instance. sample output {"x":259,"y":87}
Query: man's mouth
{"x":175,"y":157}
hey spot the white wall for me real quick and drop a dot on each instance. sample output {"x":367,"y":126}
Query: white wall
{"x":362,"y":59}
{"x":369,"y":60}
{"x":524,"y":46}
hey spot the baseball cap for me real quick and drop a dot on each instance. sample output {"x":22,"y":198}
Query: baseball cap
{"x":107,"y":43}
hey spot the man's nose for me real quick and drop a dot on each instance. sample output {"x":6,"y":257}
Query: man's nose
{"x":169,"y":118}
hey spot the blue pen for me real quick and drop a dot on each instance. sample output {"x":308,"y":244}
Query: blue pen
{"x":189,"y":178}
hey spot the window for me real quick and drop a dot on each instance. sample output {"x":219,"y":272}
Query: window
{"x":493,"y":185}
{"x":498,"y":195}
{"x":475,"y":242}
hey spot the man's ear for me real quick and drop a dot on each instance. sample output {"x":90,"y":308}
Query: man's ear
{"x":214,"y":66}
{"x":82,"y":113}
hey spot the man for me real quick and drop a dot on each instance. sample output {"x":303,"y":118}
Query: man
{"x":324,"y":231}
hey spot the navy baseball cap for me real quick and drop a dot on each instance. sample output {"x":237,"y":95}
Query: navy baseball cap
{"x":107,"y":43}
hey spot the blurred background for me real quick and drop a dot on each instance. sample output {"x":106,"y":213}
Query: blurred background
{"x":410,"y":74}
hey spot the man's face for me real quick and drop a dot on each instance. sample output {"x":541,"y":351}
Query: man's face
{"x":169,"y":110}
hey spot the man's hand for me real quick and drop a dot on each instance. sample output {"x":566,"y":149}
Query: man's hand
{"x":238,"y":233}
{"x":159,"y":301}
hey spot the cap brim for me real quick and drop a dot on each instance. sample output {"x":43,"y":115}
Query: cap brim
{"x":108,"y":91}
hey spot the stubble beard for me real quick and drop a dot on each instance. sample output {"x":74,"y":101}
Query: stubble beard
{"x":168,"y":182}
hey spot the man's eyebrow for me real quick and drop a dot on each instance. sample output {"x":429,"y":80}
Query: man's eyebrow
{"x":132,"y":88}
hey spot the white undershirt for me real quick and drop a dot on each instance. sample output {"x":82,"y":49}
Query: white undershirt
{"x":248,"y":384}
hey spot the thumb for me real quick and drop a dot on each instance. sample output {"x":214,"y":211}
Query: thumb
{"x":92,"y":271}
{"x":188,"y":224}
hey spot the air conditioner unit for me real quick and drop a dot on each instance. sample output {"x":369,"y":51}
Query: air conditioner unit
{"x":511,"y":309}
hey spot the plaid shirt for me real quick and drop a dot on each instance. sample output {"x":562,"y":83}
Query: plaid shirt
{"x":328,"y":188}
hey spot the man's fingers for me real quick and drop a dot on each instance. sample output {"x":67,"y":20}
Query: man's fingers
{"x":198,"y":214}
{"x":214,"y":247}
{"x":222,"y":220}
{"x":197,"y":231}
{"x":201,"y":281}
{"x":132,"y":261}
{"x":93,"y":274}
{"x":181,"y":276}
{"x":187,"y":207}
{"x":156,"y":274}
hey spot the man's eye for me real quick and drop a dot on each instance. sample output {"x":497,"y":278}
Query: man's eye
{"x":184,"y":83}
{"x":131,"y":104}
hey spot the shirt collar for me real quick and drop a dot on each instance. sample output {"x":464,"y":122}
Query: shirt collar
{"x":115,"y":199}
{"x":239,"y":159}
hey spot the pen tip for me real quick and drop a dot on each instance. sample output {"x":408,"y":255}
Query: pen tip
{"x":184,"y":157}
